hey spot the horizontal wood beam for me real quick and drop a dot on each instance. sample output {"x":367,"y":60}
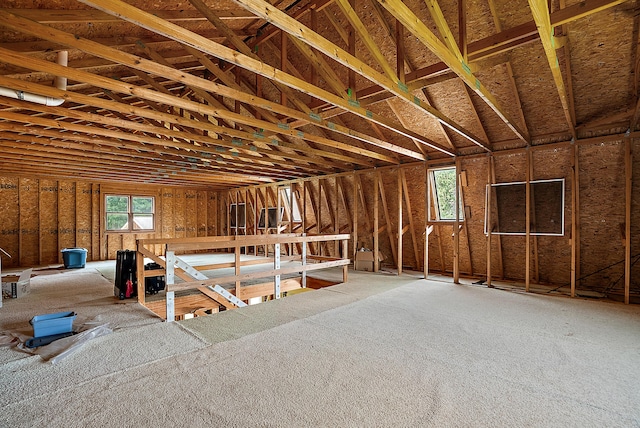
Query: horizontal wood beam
{"x":81,"y":16}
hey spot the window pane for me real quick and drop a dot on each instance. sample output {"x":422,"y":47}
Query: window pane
{"x":117,"y":221}
{"x":445,"y":183}
{"x":142,"y":205}
{"x":232,"y":215}
{"x":143,"y":222}
{"x":117,"y":204}
{"x":445,"y":186}
{"x":242,"y":215}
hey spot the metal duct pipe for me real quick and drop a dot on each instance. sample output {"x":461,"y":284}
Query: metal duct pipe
{"x":59,"y":82}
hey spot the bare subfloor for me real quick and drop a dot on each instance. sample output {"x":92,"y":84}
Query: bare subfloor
{"x":379,"y":350}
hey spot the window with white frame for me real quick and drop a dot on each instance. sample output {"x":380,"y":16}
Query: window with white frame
{"x":238,"y":216}
{"x":295,"y":215}
{"x":129,"y":213}
{"x":443,"y":194}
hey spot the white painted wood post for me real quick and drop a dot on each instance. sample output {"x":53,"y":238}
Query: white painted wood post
{"x":170,"y":262}
{"x":276,"y":266}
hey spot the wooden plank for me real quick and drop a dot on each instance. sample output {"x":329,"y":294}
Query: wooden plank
{"x":321,"y":67}
{"x":465,"y":220}
{"x":407,"y":200}
{"x":266,"y":289}
{"x":578,"y":222}
{"x":628,"y":168}
{"x":355,"y":217}
{"x":246,"y":152}
{"x":351,"y":45}
{"x":498,"y":25}
{"x":534,"y":238}
{"x":427,"y":229}
{"x":216,"y":297}
{"x":462,"y":29}
{"x":456,"y":227}
{"x":574,"y":217}
{"x":141,"y":275}
{"x":162,"y":70}
{"x":400,"y":51}
{"x":499,"y":240}
{"x":239,"y":44}
{"x":443,"y":28}
{"x":58,"y":16}
{"x":365,"y":38}
{"x":580,"y":10}
{"x":337,"y":26}
{"x":183,"y":305}
{"x":363,"y":201}
{"x":217,"y":242}
{"x":567,"y":67}
{"x":387,"y":217}
{"x":400,"y":221}
{"x":345,"y":267}
{"x":541,"y":16}
{"x":501,"y":42}
{"x":264,"y":274}
{"x":527,"y":263}
{"x":488,"y":208}
{"x":376,"y":221}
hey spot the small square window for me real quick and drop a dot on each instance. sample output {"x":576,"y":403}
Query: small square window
{"x":127,"y":213}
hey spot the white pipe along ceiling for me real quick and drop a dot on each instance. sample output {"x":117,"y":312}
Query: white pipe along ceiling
{"x":59,"y":82}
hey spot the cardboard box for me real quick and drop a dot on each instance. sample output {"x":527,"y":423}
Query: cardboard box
{"x":14,"y":286}
{"x":364,"y":261}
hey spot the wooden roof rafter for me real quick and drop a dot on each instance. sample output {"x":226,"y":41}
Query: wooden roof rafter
{"x":160,"y":70}
{"x":178,"y":138}
{"x":148,"y":113}
{"x":395,"y":75}
{"x":296,"y":29}
{"x":82,"y":16}
{"x":165,"y":159}
{"x":232,"y":38}
{"x":61,"y":163}
{"x":156,"y":96}
{"x":454,"y":61}
{"x":131,"y":149}
{"x":239,"y":44}
{"x":512,"y":80}
{"x":395,"y":35}
{"x":169,"y":30}
{"x":540,"y":11}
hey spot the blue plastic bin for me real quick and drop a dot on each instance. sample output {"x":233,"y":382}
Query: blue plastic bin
{"x":74,"y":257}
{"x":49,"y":324}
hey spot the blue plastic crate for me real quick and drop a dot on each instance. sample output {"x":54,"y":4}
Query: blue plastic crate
{"x":49,"y":324}
{"x":74,"y":257}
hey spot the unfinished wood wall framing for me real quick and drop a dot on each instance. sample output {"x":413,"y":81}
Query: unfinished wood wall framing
{"x":42,"y":217}
{"x":346,"y":202}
